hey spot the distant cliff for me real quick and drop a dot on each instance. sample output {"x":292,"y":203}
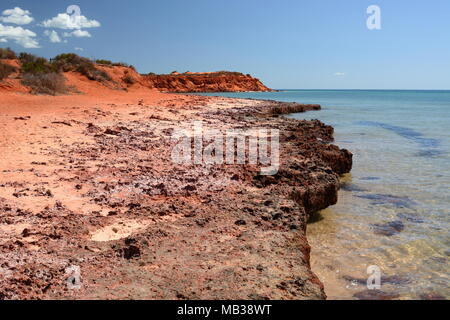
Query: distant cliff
{"x":204,"y":82}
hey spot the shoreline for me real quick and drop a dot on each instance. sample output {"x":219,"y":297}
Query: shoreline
{"x":92,"y":186}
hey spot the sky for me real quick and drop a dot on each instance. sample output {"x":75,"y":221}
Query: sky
{"x":288,"y":44}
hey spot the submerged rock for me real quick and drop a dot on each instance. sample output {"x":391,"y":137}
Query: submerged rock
{"x":410,"y":217}
{"x":432,"y":296}
{"x":389,"y":228}
{"x":405,"y":132}
{"x":397,"y":201}
{"x":395,"y":279}
{"x":376,"y":295}
{"x":370,"y":178}
{"x":429,"y":153}
{"x":352,"y":187}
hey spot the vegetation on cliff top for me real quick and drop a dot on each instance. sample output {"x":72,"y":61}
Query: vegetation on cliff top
{"x":45,"y":76}
{"x":114,"y":64}
{"x":6,"y":70}
{"x":7,"y":53}
{"x":201,"y":74}
{"x":31,"y":64}
{"x":71,"y":62}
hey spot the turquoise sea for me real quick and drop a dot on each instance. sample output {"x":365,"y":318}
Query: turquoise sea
{"x":394,"y":207}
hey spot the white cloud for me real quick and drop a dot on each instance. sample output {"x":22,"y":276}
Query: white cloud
{"x":53,"y":36}
{"x":81,"y":34}
{"x":3,"y":40}
{"x":21,"y":36}
{"x":78,"y":34}
{"x":79,"y":49}
{"x":339,"y":74}
{"x":16,"y":16}
{"x":70,"y":22}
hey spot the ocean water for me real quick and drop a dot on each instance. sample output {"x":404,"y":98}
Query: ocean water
{"x":394,"y":207}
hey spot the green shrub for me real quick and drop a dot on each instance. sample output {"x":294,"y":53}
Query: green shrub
{"x":129,"y":79}
{"x":103,"y":61}
{"x":114,"y":64}
{"x":45,"y":83}
{"x":6,"y":70}
{"x":225,"y":73}
{"x":7,"y":53}
{"x":35,"y":65}
{"x":123,"y":64}
{"x":72,"y":62}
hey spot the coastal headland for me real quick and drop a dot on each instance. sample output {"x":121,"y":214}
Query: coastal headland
{"x":93,"y":207}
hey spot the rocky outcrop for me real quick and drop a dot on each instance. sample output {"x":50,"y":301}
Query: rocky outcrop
{"x":145,"y":227}
{"x":204,"y":82}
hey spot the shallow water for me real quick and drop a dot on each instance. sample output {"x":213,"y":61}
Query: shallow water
{"x":394,"y":207}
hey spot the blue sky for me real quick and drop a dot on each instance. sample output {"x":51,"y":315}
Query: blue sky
{"x":287,"y":44}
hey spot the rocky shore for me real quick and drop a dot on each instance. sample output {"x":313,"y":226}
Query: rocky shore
{"x":96,"y":191}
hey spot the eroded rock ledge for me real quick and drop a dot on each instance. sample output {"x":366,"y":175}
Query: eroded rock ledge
{"x":165,"y":231}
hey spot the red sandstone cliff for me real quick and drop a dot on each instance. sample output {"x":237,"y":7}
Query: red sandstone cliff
{"x":204,"y":82}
